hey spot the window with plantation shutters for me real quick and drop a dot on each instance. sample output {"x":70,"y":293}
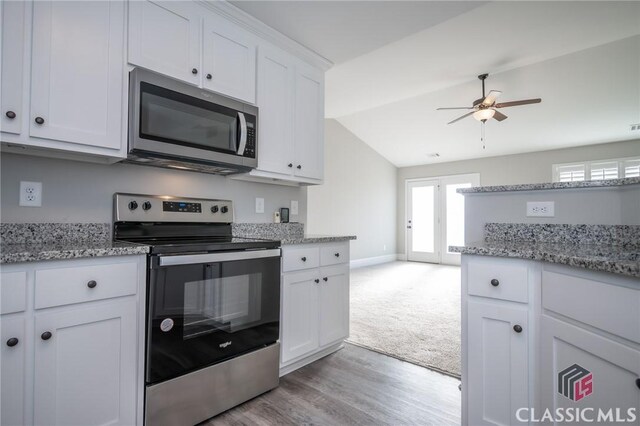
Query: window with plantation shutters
{"x":597,"y":170}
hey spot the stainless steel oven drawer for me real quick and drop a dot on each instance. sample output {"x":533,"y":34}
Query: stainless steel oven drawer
{"x":202,"y":394}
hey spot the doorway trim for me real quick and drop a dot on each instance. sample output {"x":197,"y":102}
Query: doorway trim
{"x":474,"y":178}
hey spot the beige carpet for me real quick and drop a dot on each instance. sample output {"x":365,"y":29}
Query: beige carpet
{"x":410,"y":311}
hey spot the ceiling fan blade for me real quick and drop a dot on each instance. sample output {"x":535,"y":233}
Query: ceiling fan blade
{"x":438,"y":109}
{"x":490,"y":99}
{"x":460,"y":118}
{"x":499,"y":116}
{"x":518,"y":103}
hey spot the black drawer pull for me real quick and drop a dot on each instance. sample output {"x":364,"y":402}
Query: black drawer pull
{"x":11,"y":115}
{"x":12,"y":342}
{"x":298,"y":167}
{"x":337,"y":254}
{"x":194,"y":71}
{"x":304,"y":259}
{"x":92,"y":284}
{"x":517,"y":328}
{"x":39,"y":120}
{"x":316,"y":281}
{"x":638,"y":382}
{"x":325,"y":279}
{"x":46,"y":335}
{"x":495,"y":282}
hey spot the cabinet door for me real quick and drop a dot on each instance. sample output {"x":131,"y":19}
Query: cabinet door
{"x":77,"y":72}
{"x":309,"y":123}
{"x":606,"y":376}
{"x":229,"y":60}
{"x":334,"y":304}
{"x":11,"y":69}
{"x":299,"y":314}
{"x":12,"y":367}
{"x":164,"y":36}
{"x":498,"y":364}
{"x":85,"y":373}
{"x":275,"y":100}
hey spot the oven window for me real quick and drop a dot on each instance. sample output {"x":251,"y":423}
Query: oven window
{"x":227,"y":304}
{"x":172,"y":117}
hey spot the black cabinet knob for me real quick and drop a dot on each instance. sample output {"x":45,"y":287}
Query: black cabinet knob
{"x":146,"y":205}
{"x":298,"y":167}
{"x":517,"y":328}
{"x":12,"y":342}
{"x":209,"y":76}
{"x":304,"y":259}
{"x":39,"y":120}
{"x":46,"y":335}
{"x":133,"y":205}
{"x":325,"y":279}
{"x":10,"y":114}
{"x":194,"y":71}
{"x":290,"y":165}
{"x":215,"y":209}
{"x":316,"y":281}
{"x":495,"y":282}
{"x":337,"y":254}
{"x":224,"y":209}
{"x":638,"y":382}
{"x":92,"y":284}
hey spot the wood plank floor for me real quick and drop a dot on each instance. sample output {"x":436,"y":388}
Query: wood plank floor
{"x":353,"y":386}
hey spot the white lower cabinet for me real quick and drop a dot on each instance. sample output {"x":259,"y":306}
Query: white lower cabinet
{"x":577,"y":346}
{"x":77,"y":362}
{"x":315,"y":305}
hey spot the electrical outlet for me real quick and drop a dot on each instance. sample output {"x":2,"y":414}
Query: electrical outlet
{"x":259,"y":205}
{"x":294,"y":207}
{"x":540,"y":209}
{"x":30,"y":194}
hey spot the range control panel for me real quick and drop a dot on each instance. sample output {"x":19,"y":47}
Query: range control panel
{"x":164,"y":208}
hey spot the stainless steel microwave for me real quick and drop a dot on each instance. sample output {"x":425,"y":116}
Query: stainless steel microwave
{"x":176,"y":125}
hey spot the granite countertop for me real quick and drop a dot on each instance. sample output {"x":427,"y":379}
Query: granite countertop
{"x":310,"y":239}
{"x":46,"y":250}
{"x":597,"y":257}
{"x":552,"y":185}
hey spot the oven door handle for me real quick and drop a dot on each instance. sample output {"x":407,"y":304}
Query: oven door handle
{"x":189,"y":259}
{"x":242,"y":137}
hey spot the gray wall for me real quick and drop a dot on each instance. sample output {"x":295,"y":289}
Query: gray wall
{"x":358,"y":196}
{"x":533,"y":167}
{"x":82,"y":192}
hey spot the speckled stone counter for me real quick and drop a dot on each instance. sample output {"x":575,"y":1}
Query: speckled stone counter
{"x":553,"y":185}
{"x":614,"y":259}
{"x":32,"y":242}
{"x":287,"y":233}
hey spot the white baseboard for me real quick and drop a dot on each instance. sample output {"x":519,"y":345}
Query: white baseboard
{"x":402,"y":256}
{"x":308,"y":360}
{"x":368,"y":261}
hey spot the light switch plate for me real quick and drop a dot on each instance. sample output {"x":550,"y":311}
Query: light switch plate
{"x":540,"y":208}
{"x":259,"y":205}
{"x":30,"y":194}
{"x":294,"y":207}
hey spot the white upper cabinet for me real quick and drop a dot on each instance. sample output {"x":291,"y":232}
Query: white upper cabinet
{"x":77,"y":72}
{"x":165,"y":37}
{"x":309,"y":123}
{"x":275,"y":101}
{"x":229,"y":59}
{"x":12,"y":67}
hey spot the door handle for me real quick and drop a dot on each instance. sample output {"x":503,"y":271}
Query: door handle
{"x":242,"y":137}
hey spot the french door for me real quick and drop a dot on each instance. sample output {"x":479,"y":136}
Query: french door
{"x":435,"y":217}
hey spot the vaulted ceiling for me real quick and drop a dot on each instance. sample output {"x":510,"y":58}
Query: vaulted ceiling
{"x":396,"y":62}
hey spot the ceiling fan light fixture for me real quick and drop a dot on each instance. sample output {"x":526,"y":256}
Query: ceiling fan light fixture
{"x":484,"y":114}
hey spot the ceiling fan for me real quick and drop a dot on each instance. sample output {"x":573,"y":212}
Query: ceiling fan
{"x":486,"y":107}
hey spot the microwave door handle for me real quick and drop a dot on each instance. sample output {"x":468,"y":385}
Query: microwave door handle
{"x":242,"y":137}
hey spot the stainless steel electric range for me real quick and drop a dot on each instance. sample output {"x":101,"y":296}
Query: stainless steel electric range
{"x":213,"y":306}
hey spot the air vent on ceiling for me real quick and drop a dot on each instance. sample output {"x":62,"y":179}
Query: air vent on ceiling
{"x":635,"y":127}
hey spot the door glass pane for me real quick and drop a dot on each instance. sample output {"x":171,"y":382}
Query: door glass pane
{"x":422,"y":215}
{"x":455,"y":215}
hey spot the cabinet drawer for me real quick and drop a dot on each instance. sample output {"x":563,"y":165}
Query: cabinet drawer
{"x":496,"y":278}
{"x":64,"y":286}
{"x":13,"y":292}
{"x":606,"y":306}
{"x":300,"y":258}
{"x":333,"y":254}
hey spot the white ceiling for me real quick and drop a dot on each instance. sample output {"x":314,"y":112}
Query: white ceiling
{"x":399,"y":61}
{"x":343,"y":30}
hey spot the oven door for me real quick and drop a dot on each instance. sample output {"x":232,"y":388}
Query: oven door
{"x":205,"y":308}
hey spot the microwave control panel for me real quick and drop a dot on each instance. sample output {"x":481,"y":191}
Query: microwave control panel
{"x":250,"y":148}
